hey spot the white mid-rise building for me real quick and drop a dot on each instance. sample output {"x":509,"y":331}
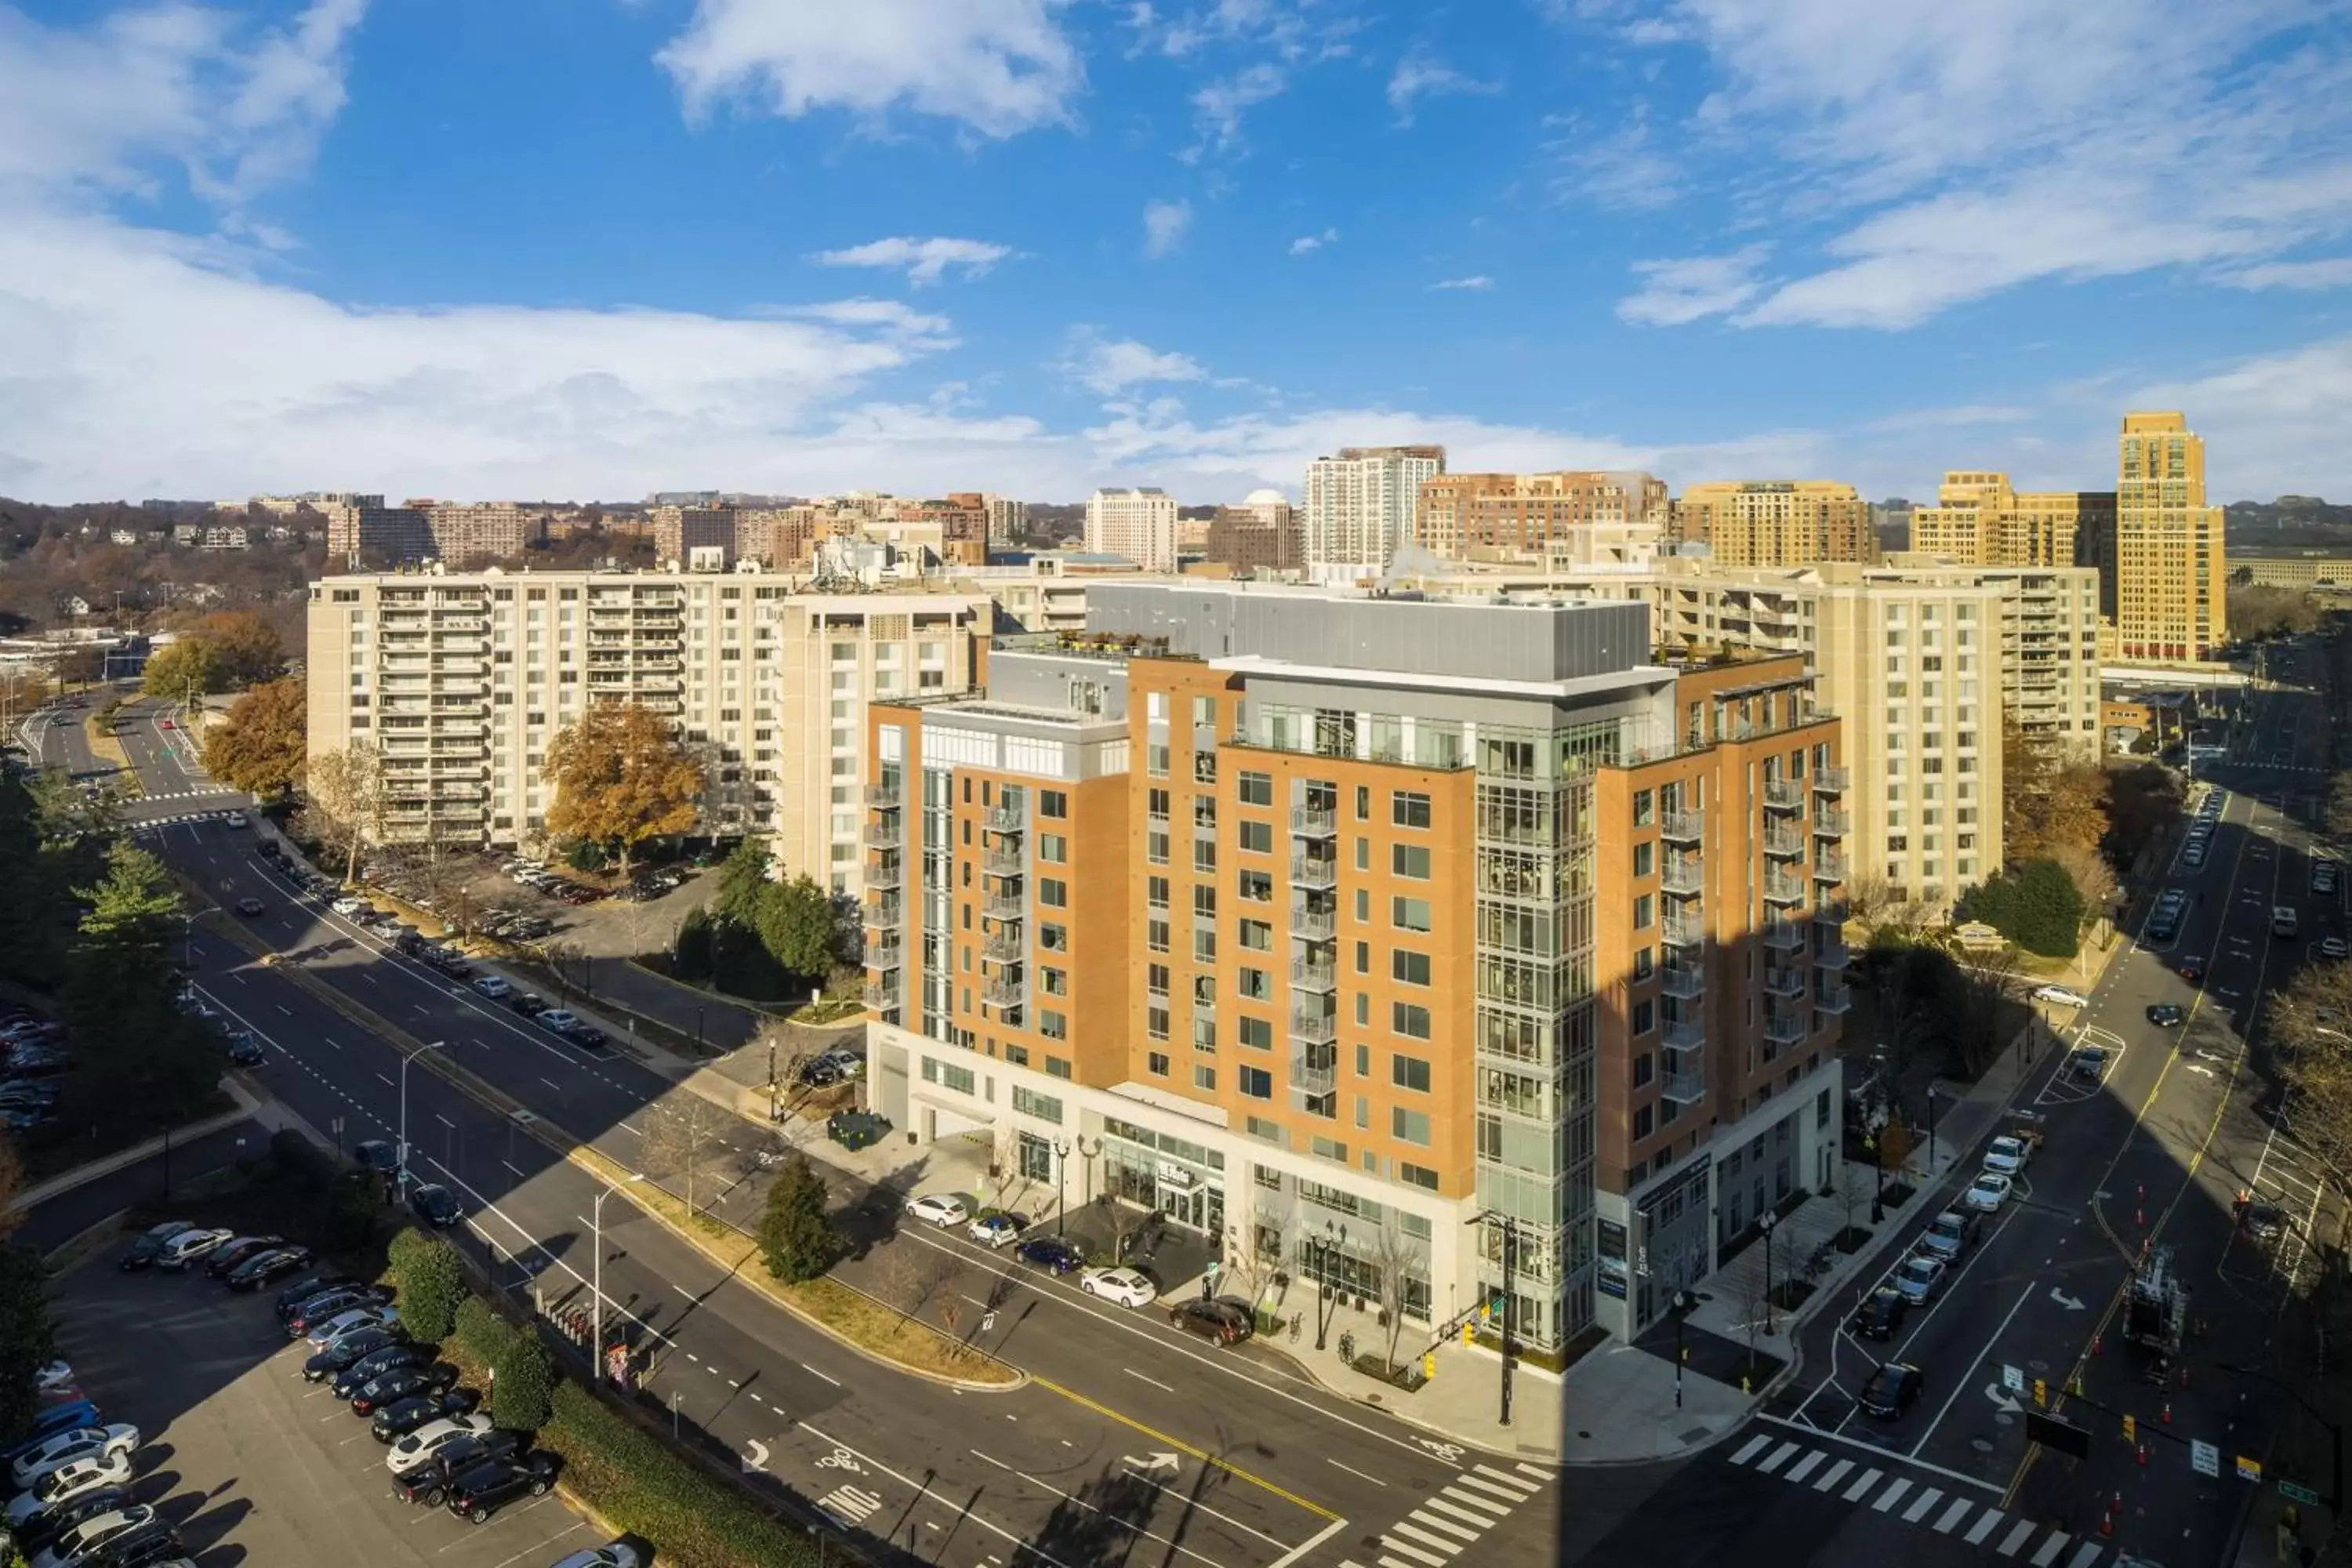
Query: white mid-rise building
{"x":1356,"y":509}
{"x":1139,"y":524}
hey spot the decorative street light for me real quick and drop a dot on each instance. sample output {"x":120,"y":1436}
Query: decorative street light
{"x":405,"y":1063}
{"x":1681,"y":1310}
{"x":1334,"y":1238}
{"x":1766,"y":1222}
{"x":1061,"y":1182}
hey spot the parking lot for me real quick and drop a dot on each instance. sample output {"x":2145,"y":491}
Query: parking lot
{"x":255,"y":1465}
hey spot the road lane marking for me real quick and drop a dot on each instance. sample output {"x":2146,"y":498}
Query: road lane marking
{"x":1447,"y":1529}
{"x":1919,"y":1507}
{"x":1748,"y":1450}
{"x":1300,"y":1550}
{"x":1804,"y":1466}
{"x":1831,"y":1476}
{"x":1075,"y":1398}
{"x":1861,"y":1489}
{"x":1152,"y":1381}
{"x":1445,"y":1504}
{"x":1953,"y":1515}
{"x":1984,"y":1527}
{"x":2050,"y":1548}
{"x":1510,"y":1499}
{"x":1892,"y":1494}
{"x":2086,"y":1556}
{"x":813,"y":1373}
{"x":1961,"y":1384}
{"x":1391,"y":1543}
{"x":1357,"y":1473}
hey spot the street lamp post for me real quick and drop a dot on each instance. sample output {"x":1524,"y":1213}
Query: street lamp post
{"x":2334,"y":1428}
{"x":1090,"y":1156}
{"x":1061,"y":1182}
{"x":1503,"y":1324}
{"x":596,"y":1286}
{"x":1931,"y":1131}
{"x":1335,"y":1237}
{"x":405,"y":1063}
{"x":1681,"y":1310}
{"x":1766,"y":1222}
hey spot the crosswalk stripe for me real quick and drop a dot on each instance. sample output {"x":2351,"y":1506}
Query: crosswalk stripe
{"x":1423,"y":1516}
{"x":2050,"y":1548}
{"x":1436,"y":1543}
{"x":1779,"y":1457}
{"x":1391,"y":1543}
{"x":1481,"y":1521}
{"x":1504,"y":1479}
{"x":1748,"y":1449}
{"x":1829,"y":1477}
{"x":1953,"y":1515}
{"x":1477,"y":1500}
{"x":2086,"y":1556}
{"x":1510,"y":1499}
{"x":1926,"y":1500}
{"x":1392,"y":1563}
{"x":1892,"y":1494}
{"x":1543,"y":1478}
{"x":2015,"y":1538}
{"x":1861,"y":1489}
{"x":1804,"y":1466}
{"x":1983,"y":1527}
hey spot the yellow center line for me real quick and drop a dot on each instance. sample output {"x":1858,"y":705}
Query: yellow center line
{"x":1157,"y":1435}
{"x":2188,"y":1177}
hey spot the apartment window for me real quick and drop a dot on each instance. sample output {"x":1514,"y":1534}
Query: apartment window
{"x":1409,"y":1126}
{"x":1256,"y":935}
{"x":1644,"y":1120}
{"x":1204,"y":855}
{"x":1055,"y":982}
{"x":1410,"y":860}
{"x":1410,"y":1020}
{"x":1053,"y":1024}
{"x":1409,"y":1072}
{"x":1644,"y":1017}
{"x":1416,"y":1175}
{"x":1054,"y":938}
{"x":1645,"y":856}
{"x":1256,"y":1083}
{"x":1257,"y":886}
{"x":1644,"y":910}
{"x":1643,"y":1069}
{"x":1645,"y":962}
{"x":1255,"y":1033}
{"x":1155,"y":846}
{"x":1053,"y":803}
{"x":1156,"y":1063}
{"x":1051,"y":893}
{"x":1408,"y":967}
{"x":1155,"y":979}
{"x":1204,"y":1078}
{"x":1158,"y":804}
{"x":1645,"y":807}
{"x":1255,"y":985}
{"x":1155,"y":761}
{"x":1408,"y":808}
{"x":1257,"y":837}
{"x":1155,"y":891}
{"x":1053,"y":848}
{"x":1256,"y":789}
{"x":1408,"y":914}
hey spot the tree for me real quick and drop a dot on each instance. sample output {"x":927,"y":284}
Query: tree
{"x":261,"y":744}
{"x":690,"y":950}
{"x":2256,"y":611}
{"x":139,"y":1052}
{"x":797,"y":1238}
{"x":2094,"y":878}
{"x":682,"y":1132}
{"x":245,"y":646}
{"x":522,"y":1383}
{"x":799,"y":928}
{"x":2035,"y":905}
{"x":742,"y":878}
{"x":1988,"y":987}
{"x":621,"y":776}
{"x":346,"y":792}
{"x":2310,"y":1030}
{"x":1399,"y":1262}
{"x":27,"y":1337}
{"x":432,"y":1279}
{"x":2144,"y":805}
{"x":190,"y":667}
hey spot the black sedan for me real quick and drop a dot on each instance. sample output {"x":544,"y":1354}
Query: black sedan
{"x":41,"y":1528}
{"x":1052,"y":1253}
{"x":250,"y":907}
{"x":477,"y":1493}
{"x":1891,"y":1390}
{"x":1882,"y":1314}
{"x":402,"y":1417}
{"x":406,"y":1382}
{"x":149,"y":1244}
{"x":377,"y":1155}
{"x":224,"y":1258}
{"x":2165,"y":1015}
{"x":376,"y":1362}
{"x":434,"y":1203}
{"x":263,"y":1267}
{"x":337,"y":1357}
{"x":2191,"y":969}
{"x":428,"y":1483}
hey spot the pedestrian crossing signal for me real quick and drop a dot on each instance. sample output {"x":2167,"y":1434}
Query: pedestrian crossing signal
{"x":2041,"y":1393}
{"x":2131,"y":1428}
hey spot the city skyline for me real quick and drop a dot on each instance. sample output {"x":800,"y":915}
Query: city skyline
{"x":1044,"y":249}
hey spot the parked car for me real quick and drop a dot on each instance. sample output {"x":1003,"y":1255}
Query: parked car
{"x":236,"y":1250}
{"x":2332,"y":947}
{"x":64,"y":1447}
{"x":74,"y":1416}
{"x":1123,"y":1286}
{"x":557,"y":1018}
{"x":402,"y":1383}
{"x":250,"y":906}
{"x":2086,"y":1064}
{"x":426,"y":1443}
{"x":317,"y":1282}
{"x":244,"y":1050}
{"x":87,"y":1542}
{"x":1052,"y":1253}
{"x":1881,"y":1314}
{"x":587,"y":1036}
{"x":1952,"y":1233}
{"x":262,"y":1267}
{"x":44,"y":1525}
{"x":331,"y":1361}
{"x":377,"y":1155}
{"x":235,"y":819}
{"x":526,"y":1003}
{"x":434,"y":1204}
{"x":2165,"y":1015}
{"x":73,"y":1479}
{"x":307,"y":1315}
{"x":2061,"y":997}
{"x":2191,"y":969}
{"x":622,"y":1553}
{"x":1218,"y":1321}
{"x":996,"y":1227}
{"x":2008,"y":1156}
{"x":399,"y":1417}
{"x":149,"y":1246}
{"x":359,"y":1319}
{"x":1919,"y":1277}
{"x":189,"y":1245}
{"x":477,"y":1493}
{"x":376,"y":1362}
{"x":1890,"y":1390}
{"x":2261,"y":1220}
{"x":1989,"y":1192}
{"x":493,"y":987}
{"x":942,"y":1209}
{"x":428,"y":1483}
{"x":349,"y":906}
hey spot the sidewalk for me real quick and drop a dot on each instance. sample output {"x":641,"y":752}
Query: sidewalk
{"x":248,"y":1108}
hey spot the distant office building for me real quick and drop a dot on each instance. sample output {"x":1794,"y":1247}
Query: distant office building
{"x":2295,"y":569}
{"x":2171,"y":558}
{"x":362,"y":526}
{"x":482,"y":532}
{"x":1008,"y":520}
{"x":1259,"y":535}
{"x":1356,"y":510}
{"x":1568,"y":518}
{"x":1776,"y":522}
{"x":1139,"y":524}
{"x":679,"y":531}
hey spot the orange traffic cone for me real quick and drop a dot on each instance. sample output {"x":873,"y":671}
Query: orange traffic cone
{"x":2143,"y":1456}
{"x":2095,"y":1340}
{"x":2165,"y":1414}
{"x":2184,"y":1376}
{"x":2107,"y":1527}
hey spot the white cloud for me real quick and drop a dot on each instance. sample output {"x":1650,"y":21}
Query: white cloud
{"x":1479,"y":284}
{"x":1110,"y":366}
{"x":925,"y":260}
{"x":997,"y":66}
{"x":1220,"y":105}
{"x":1164,"y":225}
{"x":1307,"y":244}
{"x":2272,"y":423}
{"x":2332,"y":273}
{"x":1623,"y":169}
{"x":1684,"y":290}
{"x":1420,"y":74}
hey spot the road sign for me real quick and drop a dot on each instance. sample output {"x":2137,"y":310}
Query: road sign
{"x":2012,"y":1379}
{"x":2204,"y":1458}
{"x":2249,"y":1470}
{"x":2052,"y":1433}
{"x":2298,"y":1494}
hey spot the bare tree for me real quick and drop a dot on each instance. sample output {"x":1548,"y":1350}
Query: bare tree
{"x":1397,"y":1261}
{"x":343,"y":792}
{"x":682,"y":1133}
{"x":1853,"y":1191}
{"x":2310,"y":1030}
{"x":1988,"y":989}
{"x":910,"y":1276}
{"x":789,"y":1050}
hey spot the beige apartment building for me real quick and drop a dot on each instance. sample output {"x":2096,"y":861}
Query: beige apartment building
{"x":1356,"y":510}
{"x":1137,"y":524}
{"x":1360,"y":935}
{"x":482,"y":532}
{"x":2171,"y":563}
{"x":460,"y":680}
{"x":1566,"y":518}
{"x":1776,"y":522}
{"x":1981,"y":520}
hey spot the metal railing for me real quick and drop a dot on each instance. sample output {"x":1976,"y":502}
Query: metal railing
{"x":1682,"y":874}
{"x":1687,"y":1086}
{"x":1314,"y":821}
{"x":1781,"y":888}
{"x":1831,"y":822}
{"x":1309,"y":975}
{"x":1314,"y":1028}
{"x":1682,"y":826}
{"x":1685,"y":982}
{"x":1686,"y":1034}
{"x":1682,"y":931}
{"x":1833,"y":954}
{"x":1784,"y":1028}
{"x":1787,"y":936}
{"x":1315,"y":925}
{"x":1781,"y":982}
{"x":1833,"y":998}
{"x":1003,"y":906}
{"x":1312,"y":871}
{"x":1784,"y":795}
{"x":1832,"y":781}
{"x":884,"y":871}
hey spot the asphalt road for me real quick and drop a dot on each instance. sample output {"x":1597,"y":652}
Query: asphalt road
{"x":57,"y":1220}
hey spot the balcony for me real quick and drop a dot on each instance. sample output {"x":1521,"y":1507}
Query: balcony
{"x":1007,"y":819}
{"x":884,"y":835}
{"x":1314,"y":871}
{"x":1002,"y":861}
{"x":882,"y":999}
{"x":1686,"y":982}
{"x":1834,"y":998}
{"x":1313,"y":822}
{"x":1831,"y":954}
{"x":1003,"y":947}
{"x":1784,"y":795}
{"x":1682,"y":931}
{"x":882,"y":796}
{"x":1682,"y":874}
{"x":1682,"y":826}
{"x":1784,"y":1028}
{"x":1009,"y":990}
{"x":1204,"y":1003}
{"x":1314,"y":1071}
{"x":1685,"y":1034}
{"x":1784,"y":936}
{"x":1314,"y":1028}
{"x":1829,"y":866}
{"x":1782,"y":840}
{"x":1831,"y":781}
{"x":1830,"y":822}
{"x":884,"y":952}
{"x":1780,"y":888}
{"x":1835,"y":915}
{"x":1314,"y":924}
{"x":1683,"y":1086}
{"x":884,"y":871}
{"x":1003,"y":906}
{"x":1309,"y":975}
{"x":1780,"y":982}
{"x":885,"y":911}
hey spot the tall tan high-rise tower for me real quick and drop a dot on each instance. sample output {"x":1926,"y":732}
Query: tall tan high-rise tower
{"x":2170,"y":559}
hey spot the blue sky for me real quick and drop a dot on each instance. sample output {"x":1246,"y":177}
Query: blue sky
{"x":594,"y":247}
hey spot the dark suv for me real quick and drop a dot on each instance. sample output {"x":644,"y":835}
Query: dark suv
{"x":477,"y":1493}
{"x":428,"y":1483}
{"x":1224,"y":1322}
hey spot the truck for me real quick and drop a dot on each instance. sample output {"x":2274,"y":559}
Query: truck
{"x":2156,"y":1304}
{"x":2014,"y":1148}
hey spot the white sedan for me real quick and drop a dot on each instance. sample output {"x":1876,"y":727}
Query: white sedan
{"x":349,"y":906}
{"x":1126,"y":1287}
{"x":69,"y":1480}
{"x":81,"y":1443}
{"x":2060,"y":996}
{"x":942,"y":1209}
{"x":493,"y":987}
{"x":2006,"y":1156}
{"x":188,"y":1246}
{"x":1992,"y":1191}
{"x":429,"y":1439}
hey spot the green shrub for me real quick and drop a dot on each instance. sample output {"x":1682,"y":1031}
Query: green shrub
{"x":522,"y":1382}
{"x":300,"y":1160}
{"x":477,"y":1326}
{"x":640,"y":1486}
{"x":690,"y":955}
{"x":797,"y":1240}
{"x":432,"y":1279}
{"x":352,"y":1213}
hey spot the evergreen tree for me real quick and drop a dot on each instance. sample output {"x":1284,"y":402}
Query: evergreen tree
{"x":797,"y":1240}
{"x":121,"y":977}
{"x":28,"y":1336}
{"x":798,"y":927}
{"x":522,"y":1384}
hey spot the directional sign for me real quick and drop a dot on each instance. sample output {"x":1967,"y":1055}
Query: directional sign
{"x":2204,"y":1458}
{"x":2013,"y":1379}
{"x":2052,"y":1433}
{"x":1162,"y":1460}
{"x":2001,"y":1402}
{"x":2249,"y":1470}
{"x":2072,"y":1303}
{"x":2298,"y":1494}
{"x":757,"y":1459}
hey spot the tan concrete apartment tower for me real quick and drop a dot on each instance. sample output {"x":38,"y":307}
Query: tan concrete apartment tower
{"x":2170,"y":559}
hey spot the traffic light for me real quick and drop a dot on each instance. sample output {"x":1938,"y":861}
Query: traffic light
{"x":2131,"y":1429}
{"x":2041,"y":1393}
